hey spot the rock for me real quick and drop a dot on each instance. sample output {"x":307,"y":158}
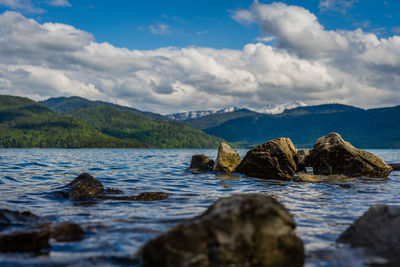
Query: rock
{"x":395,"y":166}
{"x":201,"y":163}
{"x":303,"y":159}
{"x":67,"y":232}
{"x":333,"y":155}
{"x":274,"y":159}
{"x":10,"y":218}
{"x":84,"y":186}
{"x":25,"y":241}
{"x":147,"y":196}
{"x":227,"y":160}
{"x":378,"y":230}
{"x":305,"y":177}
{"x":243,"y":230}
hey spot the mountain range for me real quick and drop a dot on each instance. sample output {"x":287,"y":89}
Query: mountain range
{"x":76,"y":122}
{"x":268,"y":109}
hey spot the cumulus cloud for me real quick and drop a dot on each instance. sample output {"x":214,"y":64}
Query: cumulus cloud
{"x":306,"y":63}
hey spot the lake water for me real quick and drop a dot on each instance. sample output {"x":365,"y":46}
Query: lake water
{"x":115,"y":230}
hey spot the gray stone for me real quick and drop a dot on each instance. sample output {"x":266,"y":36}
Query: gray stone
{"x":333,"y":155}
{"x":242,"y":230}
{"x":227,"y":160}
{"x":201,"y":163}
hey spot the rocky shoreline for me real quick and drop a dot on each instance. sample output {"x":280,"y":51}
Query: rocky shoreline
{"x":243,"y":229}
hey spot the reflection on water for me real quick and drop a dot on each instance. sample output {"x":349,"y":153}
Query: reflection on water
{"x":117,"y":229}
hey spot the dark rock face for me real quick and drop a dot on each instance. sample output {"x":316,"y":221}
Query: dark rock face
{"x":275,"y":159}
{"x":67,"y":232}
{"x":243,"y":230}
{"x":227,"y":160}
{"x":333,"y":155}
{"x":395,"y":167}
{"x":201,"y":163}
{"x":84,"y":186}
{"x":378,"y":229}
{"x":303,"y":159}
{"x":25,"y":241}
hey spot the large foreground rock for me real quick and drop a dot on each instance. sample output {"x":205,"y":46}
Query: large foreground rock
{"x":201,"y":163}
{"x":378,"y":229}
{"x":333,"y":155}
{"x":275,"y":159}
{"x":243,"y":230}
{"x":227,"y":160}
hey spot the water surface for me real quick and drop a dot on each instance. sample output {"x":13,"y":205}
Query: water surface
{"x":117,"y":229}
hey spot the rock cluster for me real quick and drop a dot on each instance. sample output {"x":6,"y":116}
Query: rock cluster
{"x":242,"y":230}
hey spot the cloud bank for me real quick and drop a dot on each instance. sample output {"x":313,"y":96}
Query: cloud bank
{"x":306,"y":63}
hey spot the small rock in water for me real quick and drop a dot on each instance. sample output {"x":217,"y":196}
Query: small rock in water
{"x":227,"y":160}
{"x":333,"y":155}
{"x":272,"y":160}
{"x":201,"y":163}
{"x":243,"y":230}
{"x":67,"y":232}
{"x":303,"y":159}
{"x":84,"y":186}
{"x":25,"y":241}
{"x":378,"y":230}
{"x":9,"y":218}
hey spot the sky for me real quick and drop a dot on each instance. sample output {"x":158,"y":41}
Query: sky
{"x":177,"y":55}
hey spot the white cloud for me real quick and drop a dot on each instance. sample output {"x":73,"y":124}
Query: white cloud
{"x":340,"y":6}
{"x":24,"y":5}
{"x":61,"y":3}
{"x":160,"y":29}
{"x":307,"y":63}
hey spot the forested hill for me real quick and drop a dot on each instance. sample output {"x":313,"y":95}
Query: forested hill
{"x":25,"y":123}
{"x":373,"y":128}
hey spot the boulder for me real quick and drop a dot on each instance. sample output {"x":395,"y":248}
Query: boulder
{"x":377,"y":230}
{"x":333,"y":155}
{"x":84,"y":186}
{"x":303,"y":159}
{"x":227,"y":160}
{"x":242,"y":230}
{"x":201,"y":163}
{"x":275,"y":159}
{"x":67,"y":232}
{"x":34,"y":240}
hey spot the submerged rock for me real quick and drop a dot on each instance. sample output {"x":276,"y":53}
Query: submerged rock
{"x":84,"y":186}
{"x":303,"y":159}
{"x":227,"y":160}
{"x":333,"y":155}
{"x":10,"y":218}
{"x":146,"y":196}
{"x":25,"y":241}
{"x":67,"y":232}
{"x":201,"y":163}
{"x":305,"y":177}
{"x":378,"y":230}
{"x":395,"y":166}
{"x":274,"y":159}
{"x":243,"y":230}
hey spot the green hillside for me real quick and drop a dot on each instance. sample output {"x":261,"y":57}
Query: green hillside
{"x":374,"y":128}
{"x":70,"y":104}
{"x":126,"y":125}
{"x":25,"y":123}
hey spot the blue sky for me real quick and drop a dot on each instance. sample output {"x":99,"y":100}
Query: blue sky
{"x":127,"y":23}
{"x":172,"y":56}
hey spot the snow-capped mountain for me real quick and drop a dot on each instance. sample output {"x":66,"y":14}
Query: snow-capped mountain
{"x":276,"y":109}
{"x":190,"y":115}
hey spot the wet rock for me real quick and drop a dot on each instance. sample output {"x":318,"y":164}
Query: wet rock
{"x":84,"y":186}
{"x":147,"y":196}
{"x":395,"y":167}
{"x":378,"y":230}
{"x":275,"y":159}
{"x":10,"y":218}
{"x":333,"y":155}
{"x":303,"y":159}
{"x":305,"y":177}
{"x":67,"y":232}
{"x":201,"y":163}
{"x":227,"y":160}
{"x":25,"y":241}
{"x":243,"y":230}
